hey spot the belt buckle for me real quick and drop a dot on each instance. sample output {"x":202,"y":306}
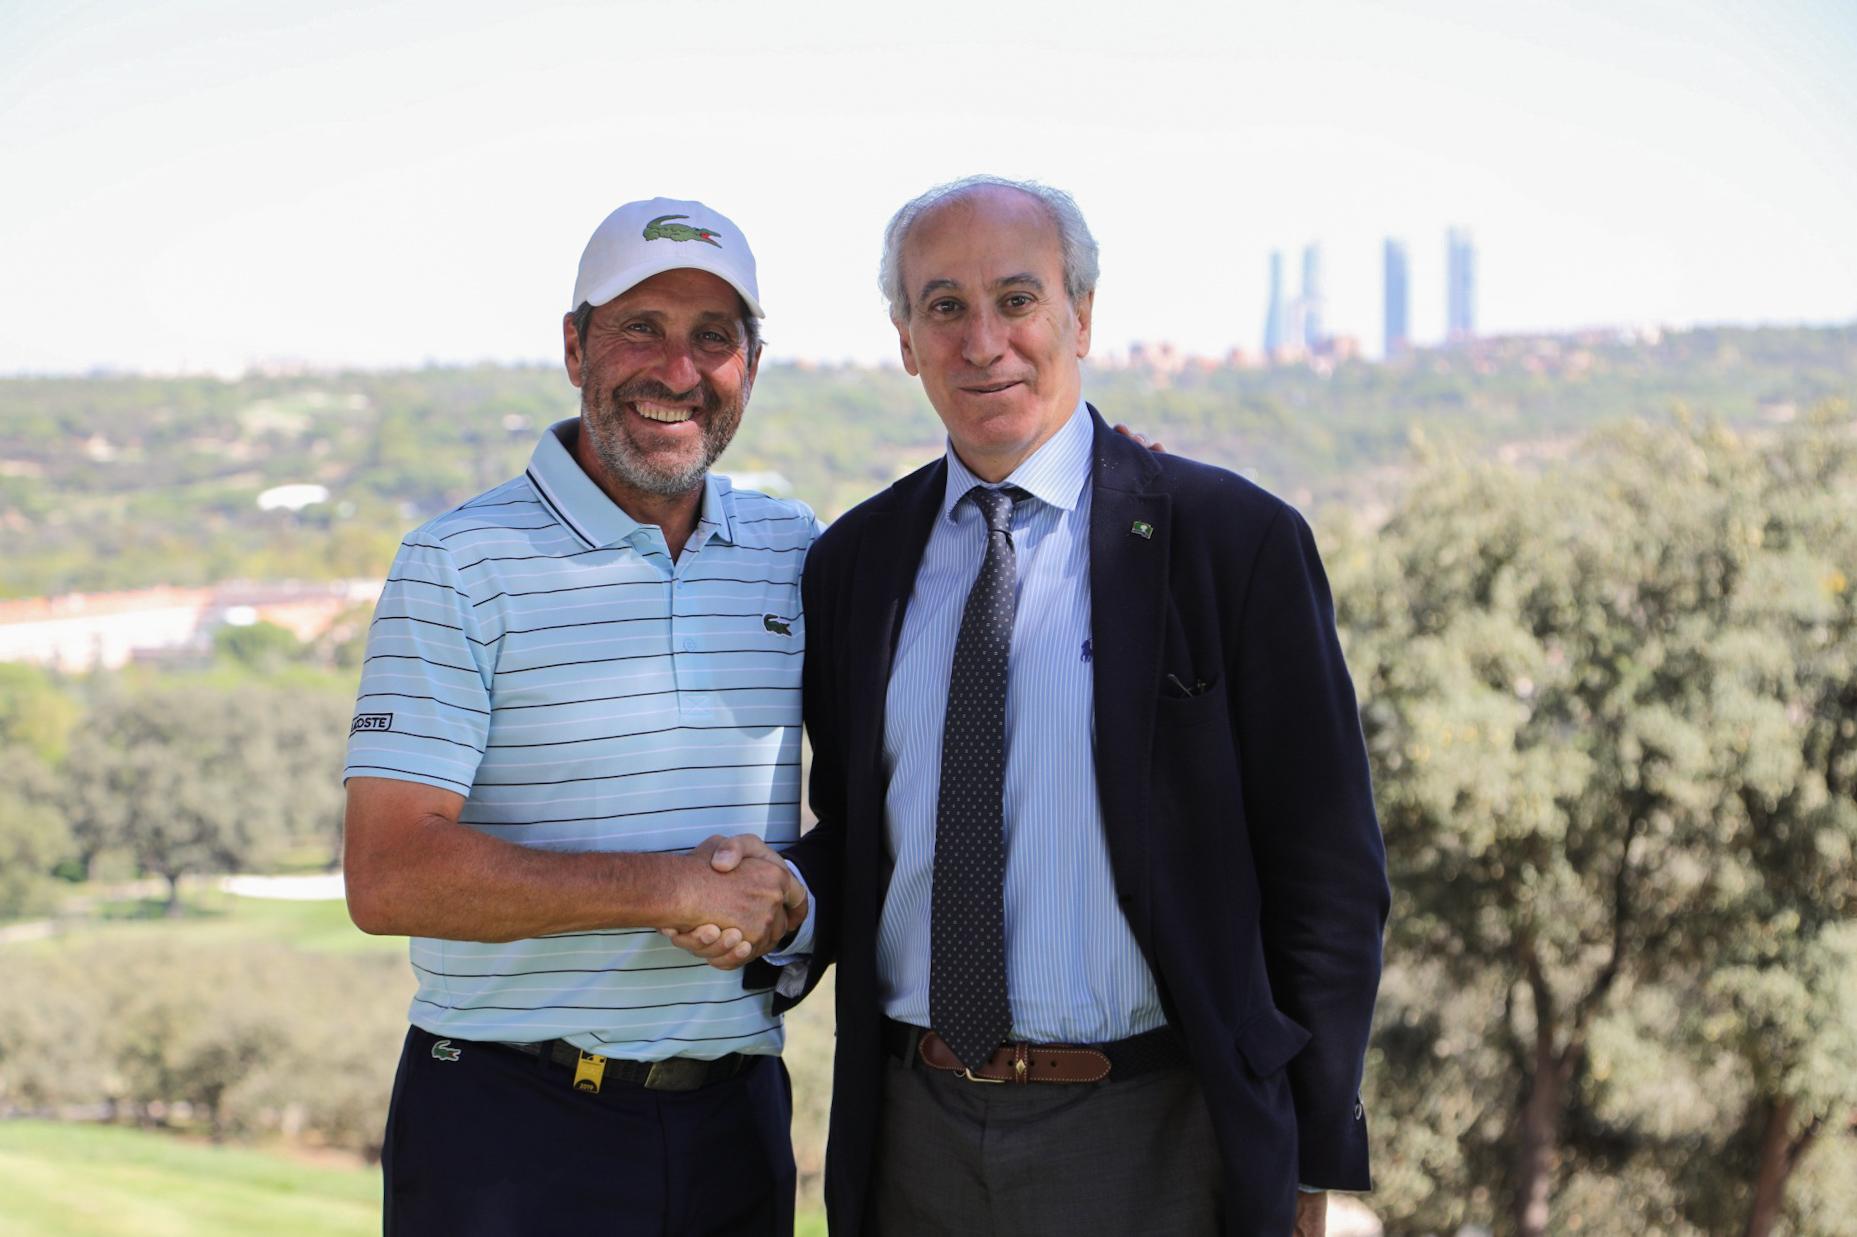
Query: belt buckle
{"x":675,"y":1074}
{"x":1021,"y":1068}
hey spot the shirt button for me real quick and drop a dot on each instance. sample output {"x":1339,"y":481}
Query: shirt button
{"x":687,"y":644}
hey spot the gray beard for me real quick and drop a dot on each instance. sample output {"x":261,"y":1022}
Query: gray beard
{"x":602,"y":419}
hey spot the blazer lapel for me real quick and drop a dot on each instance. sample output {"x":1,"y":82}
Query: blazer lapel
{"x":887,"y":562}
{"x":1129,"y":540}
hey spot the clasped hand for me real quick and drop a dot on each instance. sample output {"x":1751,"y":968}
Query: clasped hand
{"x":744,"y":901}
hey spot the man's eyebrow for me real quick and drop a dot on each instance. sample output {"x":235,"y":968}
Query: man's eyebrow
{"x":1022,"y":279}
{"x":655,"y":315}
{"x":651,"y":314}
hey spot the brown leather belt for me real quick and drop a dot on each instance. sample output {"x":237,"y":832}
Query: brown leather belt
{"x":1022,"y":1062}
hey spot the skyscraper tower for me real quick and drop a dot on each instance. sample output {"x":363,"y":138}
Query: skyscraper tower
{"x":1273,"y":317}
{"x":1460,"y":286}
{"x":1311,"y":303}
{"x":1398,"y":299}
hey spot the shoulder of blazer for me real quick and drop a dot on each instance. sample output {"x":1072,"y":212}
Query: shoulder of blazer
{"x":1208,"y":501}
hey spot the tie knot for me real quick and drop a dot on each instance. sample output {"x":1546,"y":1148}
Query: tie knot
{"x":996,"y":505}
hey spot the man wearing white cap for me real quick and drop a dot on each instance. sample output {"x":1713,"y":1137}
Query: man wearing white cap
{"x":575,"y":685}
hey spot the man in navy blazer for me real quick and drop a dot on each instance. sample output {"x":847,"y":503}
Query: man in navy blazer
{"x":1201,"y":850}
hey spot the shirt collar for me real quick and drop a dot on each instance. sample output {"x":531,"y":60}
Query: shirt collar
{"x":574,"y":498}
{"x":1055,"y":473}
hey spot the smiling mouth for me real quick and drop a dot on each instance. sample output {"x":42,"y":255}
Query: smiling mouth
{"x":663,"y":413}
{"x":992,"y":388}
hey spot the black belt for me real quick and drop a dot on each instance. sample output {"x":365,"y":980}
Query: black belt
{"x":1160,"y":1048}
{"x":671,"y":1074}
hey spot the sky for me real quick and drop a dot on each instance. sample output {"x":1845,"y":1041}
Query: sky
{"x":212,"y":184}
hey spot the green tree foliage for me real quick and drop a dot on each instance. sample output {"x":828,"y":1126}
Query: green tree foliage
{"x":190,"y":778}
{"x":36,"y":712}
{"x":233,"y":1040}
{"x":33,"y":836}
{"x":124,"y":482}
{"x":1609,"y":711}
{"x":259,"y":646}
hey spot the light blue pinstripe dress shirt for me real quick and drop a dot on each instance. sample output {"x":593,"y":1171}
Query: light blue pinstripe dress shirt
{"x":1073,"y":970}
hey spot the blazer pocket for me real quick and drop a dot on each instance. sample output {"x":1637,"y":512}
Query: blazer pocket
{"x":1178,"y":708}
{"x":1270,"y":1040}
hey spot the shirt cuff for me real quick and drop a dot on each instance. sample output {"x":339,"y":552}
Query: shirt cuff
{"x":801,"y":944}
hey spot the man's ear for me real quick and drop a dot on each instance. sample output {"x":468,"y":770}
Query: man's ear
{"x":1084,"y":308}
{"x":752,"y":369}
{"x":570,"y":344}
{"x":909,"y":354}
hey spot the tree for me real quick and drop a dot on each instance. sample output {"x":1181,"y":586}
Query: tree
{"x":35,"y":712}
{"x":184,"y":777}
{"x":261,"y":645}
{"x":309,"y":733}
{"x":1781,"y":984}
{"x":1576,"y":703}
{"x":33,"y":837}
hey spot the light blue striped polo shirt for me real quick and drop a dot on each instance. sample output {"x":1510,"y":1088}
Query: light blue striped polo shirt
{"x":538,"y":651}
{"x":1074,"y":973}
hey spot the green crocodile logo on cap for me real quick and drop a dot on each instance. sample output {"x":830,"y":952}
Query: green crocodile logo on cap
{"x":661,"y":229}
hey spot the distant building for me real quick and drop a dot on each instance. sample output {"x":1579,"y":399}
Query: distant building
{"x":79,"y":632}
{"x":1310,"y":306}
{"x":1274,"y":316}
{"x":1342,"y":347}
{"x":1460,"y":286}
{"x":1160,"y":360}
{"x":1398,"y":299}
{"x":292,"y":497}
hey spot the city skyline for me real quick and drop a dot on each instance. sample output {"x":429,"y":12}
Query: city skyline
{"x":1295,"y":326}
{"x":200,"y":184}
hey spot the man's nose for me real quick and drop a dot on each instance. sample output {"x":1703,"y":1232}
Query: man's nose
{"x":677,"y":370}
{"x":984,"y":341}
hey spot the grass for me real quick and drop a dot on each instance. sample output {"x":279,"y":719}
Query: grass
{"x":101,"y":1181}
{"x":62,"y":1180}
{"x":211,"y":916}
{"x":81,"y":1179}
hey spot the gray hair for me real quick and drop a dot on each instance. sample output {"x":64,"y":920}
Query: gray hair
{"x":1075,"y":243}
{"x":751,"y":328}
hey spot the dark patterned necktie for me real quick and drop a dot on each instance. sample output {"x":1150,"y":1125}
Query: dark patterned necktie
{"x":967,"y":912}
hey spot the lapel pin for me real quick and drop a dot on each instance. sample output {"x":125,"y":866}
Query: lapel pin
{"x":1142,"y":529}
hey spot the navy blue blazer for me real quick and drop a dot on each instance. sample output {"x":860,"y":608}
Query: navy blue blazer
{"x":1240,"y":819}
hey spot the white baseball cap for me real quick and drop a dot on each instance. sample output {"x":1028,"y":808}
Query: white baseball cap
{"x":642,"y":239}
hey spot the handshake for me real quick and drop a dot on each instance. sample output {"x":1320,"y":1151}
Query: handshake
{"x":739,"y":901}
